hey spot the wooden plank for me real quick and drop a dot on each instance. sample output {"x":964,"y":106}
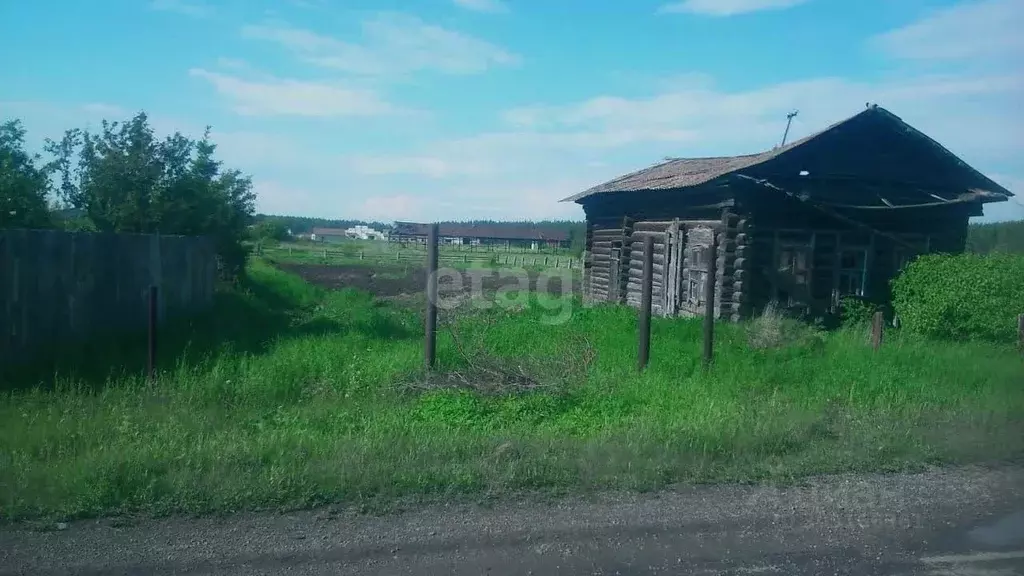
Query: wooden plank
{"x":657,"y":227}
{"x":658,"y":268}
{"x":687,"y":224}
{"x":836,"y":257}
{"x":676,"y":266}
{"x":637,"y":245}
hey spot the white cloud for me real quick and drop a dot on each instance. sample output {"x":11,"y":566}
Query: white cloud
{"x":424,"y":165}
{"x":394,"y":44}
{"x":539,"y":154}
{"x":107,"y":111}
{"x":236,"y":64}
{"x":281,"y":97}
{"x":193,"y":9}
{"x":557,"y":151}
{"x":707,"y":121}
{"x":971,"y":30}
{"x":727,"y":7}
{"x":389,"y":208}
{"x":274,"y":197}
{"x":493,"y":6}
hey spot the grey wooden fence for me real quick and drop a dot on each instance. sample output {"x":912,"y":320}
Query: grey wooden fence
{"x":59,"y":286}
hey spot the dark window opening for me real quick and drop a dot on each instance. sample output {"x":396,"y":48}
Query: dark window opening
{"x":852,"y":277}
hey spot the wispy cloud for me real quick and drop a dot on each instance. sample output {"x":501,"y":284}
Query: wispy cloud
{"x":281,"y":97}
{"x":542,"y":152}
{"x":393,"y":44}
{"x":556,"y":151}
{"x":493,"y":6}
{"x":968,"y":31}
{"x":191,"y":8}
{"x":727,"y":7}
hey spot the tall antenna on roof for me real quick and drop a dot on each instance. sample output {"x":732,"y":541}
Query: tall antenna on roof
{"x":789,"y":120}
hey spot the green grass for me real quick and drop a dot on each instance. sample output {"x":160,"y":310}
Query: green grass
{"x":293,"y":399}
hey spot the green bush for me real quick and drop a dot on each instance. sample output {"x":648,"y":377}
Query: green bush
{"x":854,"y":311}
{"x":965,"y":296}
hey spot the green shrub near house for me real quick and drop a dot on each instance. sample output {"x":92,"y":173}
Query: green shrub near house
{"x":963,"y":296}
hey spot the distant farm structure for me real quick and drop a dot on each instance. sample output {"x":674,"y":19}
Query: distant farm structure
{"x":335,"y":235}
{"x":505,"y":235}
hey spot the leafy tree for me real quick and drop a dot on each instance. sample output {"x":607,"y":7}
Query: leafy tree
{"x":961,"y":296}
{"x":577,"y":238}
{"x":23,"y":185}
{"x":125,"y":179}
{"x":996,"y":237}
{"x":269,"y":230}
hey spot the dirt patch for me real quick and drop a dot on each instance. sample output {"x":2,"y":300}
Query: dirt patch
{"x":398,"y":281}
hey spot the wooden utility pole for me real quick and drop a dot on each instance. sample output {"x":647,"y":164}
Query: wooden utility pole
{"x":1020,"y":331}
{"x":709,"y":301}
{"x":430,"y":342}
{"x":646,"y":287}
{"x":877,"y":329}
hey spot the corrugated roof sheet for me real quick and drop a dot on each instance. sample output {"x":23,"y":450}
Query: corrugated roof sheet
{"x":686,"y":172}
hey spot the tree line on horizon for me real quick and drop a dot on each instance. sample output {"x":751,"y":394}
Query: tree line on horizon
{"x":122,"y":178}
{"x":996,"y":237}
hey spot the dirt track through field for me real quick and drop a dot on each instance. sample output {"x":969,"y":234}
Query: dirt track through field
{"x":398,"y":281}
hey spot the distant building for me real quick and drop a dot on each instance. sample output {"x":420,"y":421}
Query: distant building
{"x":365,"y":233}
{"x":520,"y":235}
{"x":334,"y":235}
{"x":327,"y":235}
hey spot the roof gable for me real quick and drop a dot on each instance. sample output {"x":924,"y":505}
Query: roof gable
{"x":873,"y":145}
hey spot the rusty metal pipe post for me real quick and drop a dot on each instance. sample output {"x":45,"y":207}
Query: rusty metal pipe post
{"x":646,"y":288}
{"x":430,"y":342}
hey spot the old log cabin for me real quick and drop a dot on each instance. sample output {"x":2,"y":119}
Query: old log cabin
{"x":836,"y":213}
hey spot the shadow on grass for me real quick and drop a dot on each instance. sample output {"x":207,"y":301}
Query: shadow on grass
{"x":248,"y":320}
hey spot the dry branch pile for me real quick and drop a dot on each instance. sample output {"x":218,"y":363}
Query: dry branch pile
{"x":483,"y":372}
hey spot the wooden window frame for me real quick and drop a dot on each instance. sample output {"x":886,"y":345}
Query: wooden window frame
{"x":697,"y":275}
{"x":857,"y":271}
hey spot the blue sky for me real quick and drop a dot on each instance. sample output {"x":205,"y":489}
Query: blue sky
{"x":457,"y":109}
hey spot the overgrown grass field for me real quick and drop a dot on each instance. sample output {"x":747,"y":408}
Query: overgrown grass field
{"x":293,"y":396}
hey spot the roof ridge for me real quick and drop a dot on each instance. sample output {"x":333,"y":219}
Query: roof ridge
{"x":677,"y":173}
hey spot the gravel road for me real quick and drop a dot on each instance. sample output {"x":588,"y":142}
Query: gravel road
{"x":967,"y":521}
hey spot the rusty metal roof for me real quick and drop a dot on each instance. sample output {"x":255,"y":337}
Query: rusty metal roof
{"x":678,"y":173}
